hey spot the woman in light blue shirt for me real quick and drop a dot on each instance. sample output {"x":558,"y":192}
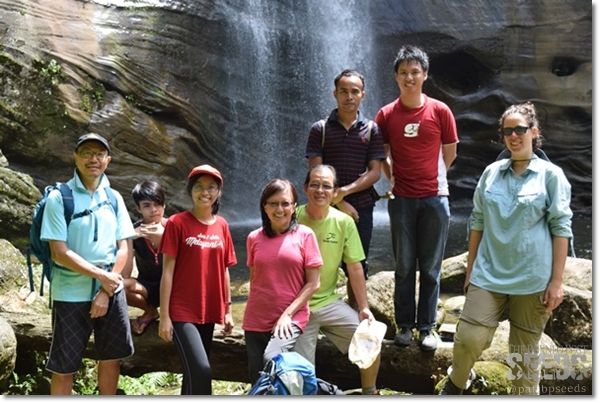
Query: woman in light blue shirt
{"x":519,"y":234}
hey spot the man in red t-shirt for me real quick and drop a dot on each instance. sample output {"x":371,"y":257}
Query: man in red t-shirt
{"x":420,"y":138}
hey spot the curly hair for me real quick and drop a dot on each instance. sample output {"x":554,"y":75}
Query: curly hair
{"x":528,"y":111}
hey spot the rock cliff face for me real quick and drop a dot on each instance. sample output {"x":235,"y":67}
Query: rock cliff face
{"x":176,"y":83}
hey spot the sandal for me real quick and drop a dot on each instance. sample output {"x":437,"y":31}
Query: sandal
{"x":140,"y":324}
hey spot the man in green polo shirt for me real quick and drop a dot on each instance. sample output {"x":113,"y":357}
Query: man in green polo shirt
{"x":338,"y":242}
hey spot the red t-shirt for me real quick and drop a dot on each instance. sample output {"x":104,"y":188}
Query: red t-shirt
{"x":415,"y":137}
{"x":202,"y":254}
{"x":278,"y":274}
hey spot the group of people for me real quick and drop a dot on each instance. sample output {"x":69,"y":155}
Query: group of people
{"x":519,"y":232}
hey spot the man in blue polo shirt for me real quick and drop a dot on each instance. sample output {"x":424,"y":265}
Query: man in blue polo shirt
{"x":87,"y":286}
{"x":353,"y":145}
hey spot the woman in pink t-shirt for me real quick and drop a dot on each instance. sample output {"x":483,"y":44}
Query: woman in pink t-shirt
{"x":283,"y":257}
{"x":194,"y":291}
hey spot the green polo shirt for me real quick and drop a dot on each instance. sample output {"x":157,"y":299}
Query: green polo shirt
{"x":339,"y":241}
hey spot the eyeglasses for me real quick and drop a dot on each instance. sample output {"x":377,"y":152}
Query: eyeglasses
{"x":508,"y":131}
{"x":317,"y":186}
{"x":88,"y":155}
{"x":210,"y":189}
{"x":283,"y":204}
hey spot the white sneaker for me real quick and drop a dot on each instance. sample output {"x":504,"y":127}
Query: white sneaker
{"x":428,"y":340}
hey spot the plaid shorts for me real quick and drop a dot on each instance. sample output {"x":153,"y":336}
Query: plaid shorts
{"x":72,"y":327}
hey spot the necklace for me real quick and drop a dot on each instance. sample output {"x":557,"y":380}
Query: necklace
{"x":152,"y":250}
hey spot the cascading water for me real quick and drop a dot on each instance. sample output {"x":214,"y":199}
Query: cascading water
{"x":281,"y":81}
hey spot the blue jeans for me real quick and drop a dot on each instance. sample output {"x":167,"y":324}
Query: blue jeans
{"x":365,"y":231}
{"x":419,"y":231}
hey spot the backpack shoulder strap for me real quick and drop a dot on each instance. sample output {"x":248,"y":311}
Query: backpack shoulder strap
{"x":113,"y":199}
{"x":68,"y":204}
{"x":323,"y":122}
{"x":370,"y":125}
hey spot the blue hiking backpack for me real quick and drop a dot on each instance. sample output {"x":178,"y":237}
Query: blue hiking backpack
{"x":287,"y":373}
{"x":41,"y":249}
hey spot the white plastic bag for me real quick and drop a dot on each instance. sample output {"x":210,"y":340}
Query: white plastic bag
{"x":365,"y":345}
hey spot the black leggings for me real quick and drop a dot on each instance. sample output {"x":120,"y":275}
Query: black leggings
{"x":193,"y":342}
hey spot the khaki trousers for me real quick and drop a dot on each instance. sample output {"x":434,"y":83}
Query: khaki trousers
{"x":482,"y":312}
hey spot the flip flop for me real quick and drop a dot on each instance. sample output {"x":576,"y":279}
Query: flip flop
{"x":140,"y":324}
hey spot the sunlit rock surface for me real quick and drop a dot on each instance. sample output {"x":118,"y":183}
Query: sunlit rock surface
{"x":237,"y":84}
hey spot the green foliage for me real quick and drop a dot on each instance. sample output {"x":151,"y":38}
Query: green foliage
{"x":8,"y":64}
{"x":22,"y":385}
{"x":84,"y":381}
{"x":92,"y":96}
{"x":226,"y":388}
{"x":36,"y":383}
{"x":153,"y":383}
{"x":38,"y":111}
{"x":50,"y":71}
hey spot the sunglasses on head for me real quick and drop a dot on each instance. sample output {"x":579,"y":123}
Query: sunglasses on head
{"x":520,"y":130}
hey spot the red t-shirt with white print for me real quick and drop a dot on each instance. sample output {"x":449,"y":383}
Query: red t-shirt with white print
{"x":202,"y":254}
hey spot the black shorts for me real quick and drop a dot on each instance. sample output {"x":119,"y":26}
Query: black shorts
{"x":72,"y":327}
{"x":153,"y":289}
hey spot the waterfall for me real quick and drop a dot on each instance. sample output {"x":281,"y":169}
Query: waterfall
{"x":280,"y":81}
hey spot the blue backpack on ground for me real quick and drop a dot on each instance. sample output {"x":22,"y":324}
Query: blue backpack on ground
{"x":41,"y":249}
{"x":287,"y":373}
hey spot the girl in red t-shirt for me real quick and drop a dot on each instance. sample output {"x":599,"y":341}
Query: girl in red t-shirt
{"x":194,"y":291}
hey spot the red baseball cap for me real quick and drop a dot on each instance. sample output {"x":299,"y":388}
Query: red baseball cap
{"x":206,"y":170}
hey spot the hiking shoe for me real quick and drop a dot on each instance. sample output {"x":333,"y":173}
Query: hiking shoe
{"x":428,"y":340}
{"x":450,"y":388}
{"x":403,"y":337}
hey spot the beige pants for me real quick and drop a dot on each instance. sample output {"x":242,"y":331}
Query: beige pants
{"x":482,"y":312}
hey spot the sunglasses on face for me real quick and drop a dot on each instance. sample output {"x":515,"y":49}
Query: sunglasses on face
{"x":520,"y":130}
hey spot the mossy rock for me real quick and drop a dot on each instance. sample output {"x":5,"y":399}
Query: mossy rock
{"x":491,"y":380}
{"x":13,"y":267}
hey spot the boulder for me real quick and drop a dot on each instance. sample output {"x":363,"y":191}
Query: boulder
{"x":407,"y":369}
{"x":3,"y":160}
{"x":13,"y":269}
{"x":453,"y":308}
{"x":8,"y":351}
{"x":562,"y":372}
{"x":491,"y":379}
{"x":452,"y":277}
{"x":571,"y":323}
{"x":176,"y":84}
{"x":380,"y":295}
{"x":18,"y":196}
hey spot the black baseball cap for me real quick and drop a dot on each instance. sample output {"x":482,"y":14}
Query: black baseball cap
{"x":92,"y":137}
